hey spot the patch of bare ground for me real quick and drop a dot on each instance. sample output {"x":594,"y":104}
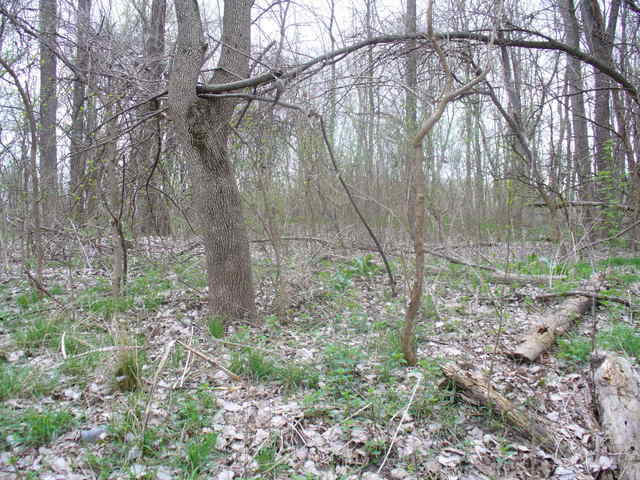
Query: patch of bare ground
{"x":321,"y":394}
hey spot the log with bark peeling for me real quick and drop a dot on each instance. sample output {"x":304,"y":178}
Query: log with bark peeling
{"x":528,"y":424}
{"x":556,"y":322}
{"x":618,"y":396}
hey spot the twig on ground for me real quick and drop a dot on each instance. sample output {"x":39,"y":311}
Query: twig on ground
{"x":206,"y":357}
{"x":404,"y":415}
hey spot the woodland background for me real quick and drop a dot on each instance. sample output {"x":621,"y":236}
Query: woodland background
{"x":260,"y":259}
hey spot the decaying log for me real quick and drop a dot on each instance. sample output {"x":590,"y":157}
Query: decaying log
{"x":528,"y":424}
{"x":497,"y":276}
{"x":556,"y":322}
{"x":618,"y":396}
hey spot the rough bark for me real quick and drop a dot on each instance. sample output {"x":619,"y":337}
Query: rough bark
{"x":618,"y":396}
{"x":557,"y":322}
{"x":48,"y":105}
{"x":202,"y":129}
{"x":480,"y":390}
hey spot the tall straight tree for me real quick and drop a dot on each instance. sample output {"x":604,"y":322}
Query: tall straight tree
{"x":581,"y":156}
{"x":155,"y":214}
{"x":600,"y":40}
{"x":48,"y":102}
{"x":202,"y":129}
{"x":78,"y":132}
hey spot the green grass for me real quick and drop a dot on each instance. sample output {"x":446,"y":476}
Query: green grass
{"x":32,"y":428}
{"x":198,"y":453}
{"x":16,"y":381}
{"x":258,"y":367}
{"x":619,"y":338}
{"x":215,"y":325}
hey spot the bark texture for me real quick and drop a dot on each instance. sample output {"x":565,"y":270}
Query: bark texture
{"x":48,"y":102}
{"x":78,"y":132}
{"x":556,"y":323}
{"x":618,"y":395}
{"x":202,"y":129}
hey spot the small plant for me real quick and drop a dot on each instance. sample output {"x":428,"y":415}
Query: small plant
{"x":268,"y":463}
{"x":27,"y":300}
{"x":215,"y":325}
{"x":128,"y":369}
{"x":574,"y":349}
{"x":362,"y":266}
{"x":198,"y":453}
{"x":375,"y":449}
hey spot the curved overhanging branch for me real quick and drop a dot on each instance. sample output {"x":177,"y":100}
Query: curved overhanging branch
{"x":547,"y":44}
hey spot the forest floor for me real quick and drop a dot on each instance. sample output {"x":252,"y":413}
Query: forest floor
{"x":97,"y":387}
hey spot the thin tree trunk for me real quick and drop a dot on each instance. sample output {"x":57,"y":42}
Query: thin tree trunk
{"x":77,"y":136}
{"x":48,"y":106}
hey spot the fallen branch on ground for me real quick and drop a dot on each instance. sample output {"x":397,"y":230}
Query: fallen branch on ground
{"x":481,"y":391}
{"x":582,"y":293}
{"x":206,"y":357}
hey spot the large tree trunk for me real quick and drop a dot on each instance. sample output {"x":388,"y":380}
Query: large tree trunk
{"x":48,"y":105}
{"x":202,"y":128}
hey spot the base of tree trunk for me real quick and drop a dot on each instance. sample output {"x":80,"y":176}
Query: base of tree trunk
{"x":618,"y":397}
{"x":556,"y":322}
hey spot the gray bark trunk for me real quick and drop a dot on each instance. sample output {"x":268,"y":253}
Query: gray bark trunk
{"x":48,"y":105}
{"x":202,"y":128}
{"x":77,"y":158}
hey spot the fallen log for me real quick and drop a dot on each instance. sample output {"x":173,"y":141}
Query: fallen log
{"x":556,"y":322}
{"x":528,"y":424}
{"x":618,"y":396}
{"x":497,"y":276}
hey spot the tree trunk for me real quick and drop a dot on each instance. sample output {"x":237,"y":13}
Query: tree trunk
{"x":48,"y":106}
{"x":154,"y":210}
{"x":77,"y":136}
{"x":600,"y":42}
{"x":581,"y":152}
{"x":202,"y":129}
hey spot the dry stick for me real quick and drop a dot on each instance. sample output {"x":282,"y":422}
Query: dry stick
{"x":325,"y":137}
{"x":608,"y":239}
{"x":41,"y":288}
{"x":187,"y":364}
{"x":404,"y":415}
{"x":209,"y":359}
{"x":154,"y":384}
{"x":582,"y":293}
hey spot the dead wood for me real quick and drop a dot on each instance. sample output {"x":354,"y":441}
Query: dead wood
{"x":556,"y":322}
{"x":496,"y":276}
{"x":582,"y":293}
{"x":618,"y":397}
{"x":481,"y":391}
{"x":207,"y":358}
